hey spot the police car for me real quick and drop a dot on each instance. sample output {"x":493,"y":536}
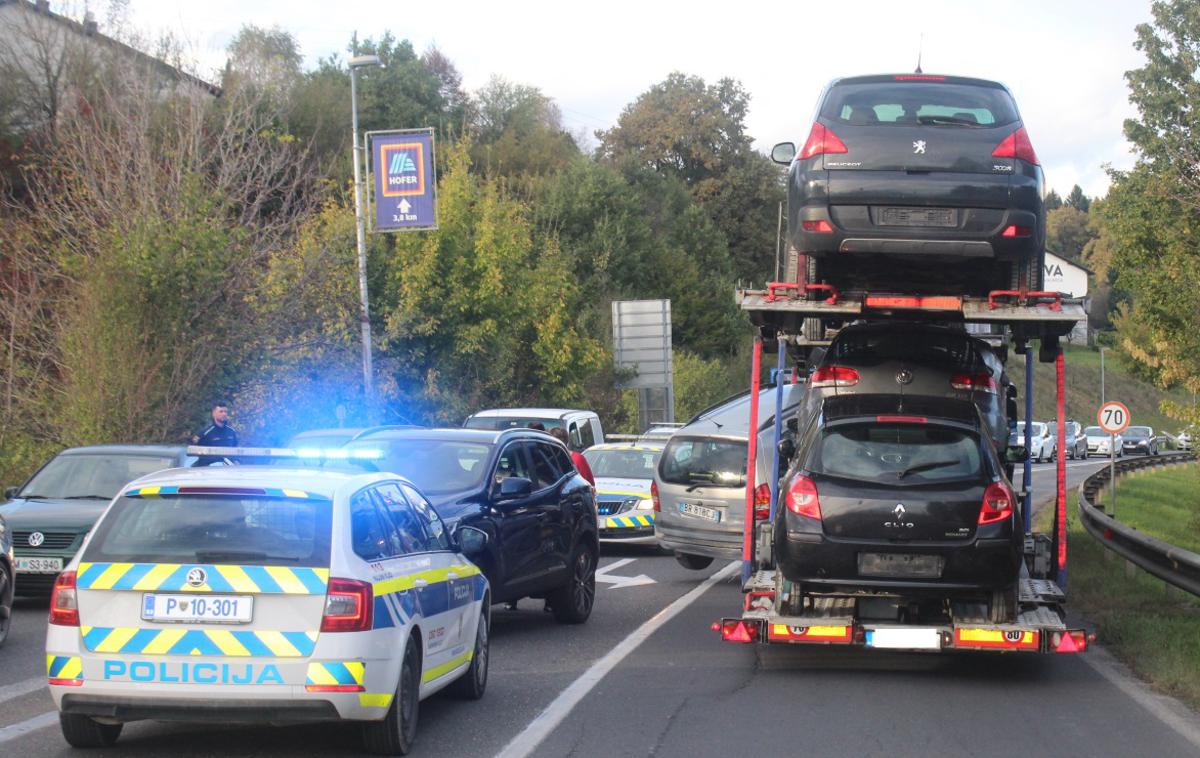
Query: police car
{"x":267,"y":594}
{"x":624,"y":474}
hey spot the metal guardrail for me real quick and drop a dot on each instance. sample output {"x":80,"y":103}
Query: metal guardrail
{"x":1173,"y":565}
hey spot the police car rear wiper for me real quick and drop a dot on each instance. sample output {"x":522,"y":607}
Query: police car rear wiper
{"x":240,"y":555}
{"x":924,"y":467}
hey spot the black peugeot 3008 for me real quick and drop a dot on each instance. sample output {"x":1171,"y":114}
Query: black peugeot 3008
{"x":911,"y":181}
{"x":903,"y":498}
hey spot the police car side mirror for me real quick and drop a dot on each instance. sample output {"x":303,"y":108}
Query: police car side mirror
{"x":471,"y":541}
{"x":10,"y":492}
{"x":1015,"y":454}
{"x":1011,"y":391}
{"x":783,"y":152}
{"x":515,"y":487}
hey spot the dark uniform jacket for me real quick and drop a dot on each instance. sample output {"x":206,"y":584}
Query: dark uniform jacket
{"x":218,"y":436}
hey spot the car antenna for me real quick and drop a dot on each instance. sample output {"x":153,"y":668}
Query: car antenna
{"x":920,"y":48}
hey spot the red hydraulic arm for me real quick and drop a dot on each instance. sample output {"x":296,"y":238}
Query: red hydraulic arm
{"x":751,"y":461}
{"x":1060,"y":507}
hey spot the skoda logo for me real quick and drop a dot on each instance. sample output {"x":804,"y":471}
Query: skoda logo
{"x":36,"y":539}
{"x":196,"y":577}
{"x":904,"y":376}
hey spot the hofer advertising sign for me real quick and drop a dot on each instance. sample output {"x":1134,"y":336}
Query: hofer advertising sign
{"x":405,"y":181}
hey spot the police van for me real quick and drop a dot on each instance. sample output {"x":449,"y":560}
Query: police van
{"x":267,"y":594}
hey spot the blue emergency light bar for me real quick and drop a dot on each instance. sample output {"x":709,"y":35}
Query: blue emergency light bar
{"x":283,"y":453}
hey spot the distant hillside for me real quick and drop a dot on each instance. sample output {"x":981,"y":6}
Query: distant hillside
{"x":1082,"y":380}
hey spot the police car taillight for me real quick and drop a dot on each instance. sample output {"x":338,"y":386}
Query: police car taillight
{"x":64,"y":604}
{"x":349,"y":607}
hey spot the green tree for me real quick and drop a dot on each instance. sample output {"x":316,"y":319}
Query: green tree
{"x":518,"y":130}
{"x":1077,"y":200}
{"x":684,"y":128}
{"x":1053,"y":201}
{"x":1068,"y":231}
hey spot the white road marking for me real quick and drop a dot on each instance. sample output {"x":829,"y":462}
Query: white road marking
{"x":1166,"y":709}
{"x":528,"y":740}
{"x":21,"y":689}
{"x":23,"y":728}
{"x":618,"y":582}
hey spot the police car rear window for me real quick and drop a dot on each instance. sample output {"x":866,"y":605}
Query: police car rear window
{"x":918,"y":103}
{"x":263,"y":531}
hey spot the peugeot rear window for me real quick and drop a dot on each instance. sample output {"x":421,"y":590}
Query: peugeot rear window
{"x":263,"y":531}
{"x":897,"y":453}
{"x":704,"y":460}
{"x":872,"y":347}
{"x":918,"y":103}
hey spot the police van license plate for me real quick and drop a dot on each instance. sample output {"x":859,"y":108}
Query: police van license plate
{"x":39,"y":565}
{"x":227,"y":609}
{"x":699,"y":511}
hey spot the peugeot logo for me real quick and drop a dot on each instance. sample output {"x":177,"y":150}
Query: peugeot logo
{"x":36,"y":539}
{"x":904,"y":376}
{"x":919,"y":147}
{"x":196,"y":577}
{"x":899,"y":511}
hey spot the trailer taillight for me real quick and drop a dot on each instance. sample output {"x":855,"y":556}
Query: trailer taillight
{"x":736,"y":630}
{"x":654,"y":497}
{"x":1017,"y":145}
{"x":762,"y":502}
{"x":821,"y":140}
{"x":64,"y":602}
{"x":833,"y":376}
{"x":1071,"y":641}
{"x":980,"y":382}
{"x":997,"y":505}
{"x":802,"y":498}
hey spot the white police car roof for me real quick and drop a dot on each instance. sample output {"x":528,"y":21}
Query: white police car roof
{"x":323,"y":482}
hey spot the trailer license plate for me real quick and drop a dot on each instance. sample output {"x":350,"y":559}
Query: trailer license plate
{"x":699,"y":511}
{"x":39,"y":565}
{"x":226,"y":609}
{"x":943,"y":217}
{"x":905,"y":639}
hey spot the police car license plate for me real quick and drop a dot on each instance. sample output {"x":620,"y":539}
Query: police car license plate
{"x":699,"y":511}
{"x":226,"y":609}
{"x":39,"y":565}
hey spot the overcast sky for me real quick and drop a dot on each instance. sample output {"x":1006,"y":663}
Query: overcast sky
{"x":1063,"y":59}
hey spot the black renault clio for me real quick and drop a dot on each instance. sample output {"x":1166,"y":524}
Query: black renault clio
{"x":910,"y":181}
{"x":903,"y":498}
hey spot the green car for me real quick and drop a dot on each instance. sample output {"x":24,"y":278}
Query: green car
{"x":51,"y":514}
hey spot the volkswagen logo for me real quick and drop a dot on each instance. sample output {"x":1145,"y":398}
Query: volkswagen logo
{"x":36,"y":539}
{"x":904,"y":376}
{"x":196,"y":577}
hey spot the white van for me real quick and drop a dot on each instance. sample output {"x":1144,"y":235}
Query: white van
{"x":583,"y":427}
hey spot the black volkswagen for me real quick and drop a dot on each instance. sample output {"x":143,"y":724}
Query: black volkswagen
{"x":520,"y":488}
{"x":909,"y":182}
{"x":903,"y":498}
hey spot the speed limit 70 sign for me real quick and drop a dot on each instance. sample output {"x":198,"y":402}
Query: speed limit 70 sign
{"x":1113,"y":417}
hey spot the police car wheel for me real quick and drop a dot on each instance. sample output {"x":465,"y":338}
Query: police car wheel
{"x":572,"y":603}
{"x":84,"y":731}
{"x":471,"y":685}
{"x":397,"y":732}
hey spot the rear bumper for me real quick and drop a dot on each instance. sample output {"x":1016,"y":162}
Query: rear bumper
{"x":712,"y":542}
{"x":981,"y":564}
{"x":230,"y":711}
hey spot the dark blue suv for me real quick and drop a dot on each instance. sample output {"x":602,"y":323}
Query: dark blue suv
{"x":518,"y":487}
{"x":915,"y":182}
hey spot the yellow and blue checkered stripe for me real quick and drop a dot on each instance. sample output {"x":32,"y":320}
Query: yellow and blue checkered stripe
{"x":625,"y":522}
{"x":172,"y":577}
{"x":266,"y":492}
{"x":336,"y":673}
{"x":64,"y":667}
{"x":227,"y":642}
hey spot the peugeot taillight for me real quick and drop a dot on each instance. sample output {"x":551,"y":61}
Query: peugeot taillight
{"x":654,"y":497}
{"x":834,"y":376}
{"x":1017,"y":145}
{"x":349,"y":607}
{"x":802,"y":498}
{"x":1012,"y":231}
{"x":64,"y":602}
{"x":821,"y":140}
{"x":820,"y":226}
{"x":981,"y":382}
{"x":998,"y":501}
{"x":762,"y":502}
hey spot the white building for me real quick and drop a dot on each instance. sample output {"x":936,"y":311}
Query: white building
{"x":1071,"y":279}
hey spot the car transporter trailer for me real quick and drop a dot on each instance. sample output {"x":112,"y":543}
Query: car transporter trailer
{"x":783,"y":314}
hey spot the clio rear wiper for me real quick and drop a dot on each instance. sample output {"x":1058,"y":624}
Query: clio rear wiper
{"x":924,"y":467}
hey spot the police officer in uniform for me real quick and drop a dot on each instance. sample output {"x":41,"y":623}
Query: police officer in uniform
{"x":218,"y":434}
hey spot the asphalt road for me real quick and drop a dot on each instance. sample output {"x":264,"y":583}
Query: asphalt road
{"x":647,"y":676}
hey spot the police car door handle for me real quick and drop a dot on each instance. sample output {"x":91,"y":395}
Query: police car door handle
{"x":420,"y":583}
{"x":451,"y":575}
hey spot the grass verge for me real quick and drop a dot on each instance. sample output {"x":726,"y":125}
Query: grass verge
{"x":1155,"y":631}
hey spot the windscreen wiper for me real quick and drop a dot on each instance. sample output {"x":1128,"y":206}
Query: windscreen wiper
{"x":924,"y":467}
{"x":88,"y":497}
{"x":948,"y":120}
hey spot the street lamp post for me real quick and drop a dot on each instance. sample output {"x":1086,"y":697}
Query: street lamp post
{"x":364,"y":315}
